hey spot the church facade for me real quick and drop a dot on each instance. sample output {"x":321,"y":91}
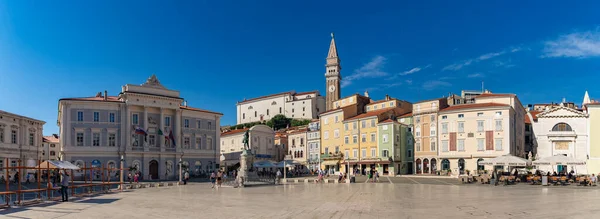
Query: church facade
{"x":149,"y":126}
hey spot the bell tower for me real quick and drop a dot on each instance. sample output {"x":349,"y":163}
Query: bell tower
{"x":332,"y":75}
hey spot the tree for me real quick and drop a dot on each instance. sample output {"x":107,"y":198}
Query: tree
{"x":279,"y":121}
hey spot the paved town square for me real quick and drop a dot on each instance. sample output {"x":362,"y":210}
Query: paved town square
{"x":365,"y":200}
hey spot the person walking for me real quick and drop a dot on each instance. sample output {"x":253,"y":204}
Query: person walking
{"x":278,"y":176}
{"x":129,"y":178}
{"x":64,"y":185}
{"x":376,"y":176}
{"x":213,"y":178}
{"x":219,"y":179}
{"x":186,"y":177}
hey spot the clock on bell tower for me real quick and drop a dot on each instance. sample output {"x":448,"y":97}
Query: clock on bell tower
{"x":332,"y":75}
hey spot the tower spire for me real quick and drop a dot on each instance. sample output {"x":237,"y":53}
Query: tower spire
{"x":332,"y":48}
{"x":586,"y":99}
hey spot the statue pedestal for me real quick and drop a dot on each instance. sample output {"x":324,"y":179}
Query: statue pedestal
{"x":246,"y":160}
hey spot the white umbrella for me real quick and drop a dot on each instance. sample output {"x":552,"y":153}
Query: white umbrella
{"x":506,"y":160}
{"x":288,"y":163}
{"x":558,"y":160}
{"x":264,"y":164}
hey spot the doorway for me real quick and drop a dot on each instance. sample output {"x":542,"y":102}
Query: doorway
{"x":409,"y":168}
{"x":153,"y":170}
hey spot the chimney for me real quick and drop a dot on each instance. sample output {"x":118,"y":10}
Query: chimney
{"x":387,"y":97}
{"x":185,"y":103}
{"x":99,"y":94}
{"x":105,"y":95}
{"x":366,"y":93}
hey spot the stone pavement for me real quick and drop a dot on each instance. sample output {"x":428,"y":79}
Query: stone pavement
{"x":366,"y":200}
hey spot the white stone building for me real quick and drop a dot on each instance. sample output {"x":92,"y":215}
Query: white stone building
{"x":20,"y":140}
{"x":297,"y":147}
{"x":50,"y":147}
{"x":148,"y":125}
{"x":561,"y":131}
{"x":305,"y":105}
{"x":261,"y":144}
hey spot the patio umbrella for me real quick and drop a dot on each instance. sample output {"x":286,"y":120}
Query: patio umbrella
{"x":506,"y":160}
{"x":287,"y":163}
{"x":264,"y":164}
{"x":559,"y":160}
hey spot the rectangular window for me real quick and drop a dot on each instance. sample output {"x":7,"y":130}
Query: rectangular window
{"x":418,"y":146}
{"x":385,"y":153}
{"x":347,"y":153}
{"x":432,"y":146}
{"x":432,"y":131}
{"x":167,"y":121}
{"x":111,"y":117}
{"x":461,"y":127}
{"x":95,"y":139}
{"x":336,"y":133}
{"x":354,"y":139}
{"x":337,"y":149}
{"x":326,"y":150}
{"x":13,"y":136}
{"x":186,"y":142}
{"x":209,"y":143}
{"x":364,"y":152}
{"x":409,"y":153}
{"x":461,"y":145}
{"x":368,"y":108}
{"x":346,"y":140}
{"x":112,"y":139}
{"x":461,"y":115}
{"x":346,"y":127}
{"x":373,"y":152}
{"x":498,"y":144}
{"x":326,"y":135}
{"x":363,"y":137}
{"x":479,"y":114}
{"x":363,"y":124}
{"x":151,"y":140}
{"x":96,"y":116}
{"x":445,"y":128}
{"x":432,"y":118}
{"x":1,"y":135}
{"x":444,"y":117}
{"x":186,"y":123}
{"x":210,"y":126}
{"x":79,"y":116}
{"x":355,"y":153}
{"x":326,"y":121}
{"x":480,"y":126}
{"x":79,"y":139}
{"x":480,"y":145}
{"x":199,"y":124}
{"x":336,"y":119}
{"x":499,"y":113}
{"x":385,"y":138}
{"x":498,"y":125}
{"x":354,"y":126}
{"x":418,"y":131}
{"x":372,"y":122}
{"x":391,"y":103}
{"x":199,"y":143}
{"x":134,"y":119}
{"x":445,"y":146}
{"x":373,"y":137}
{"x":31,"y":139}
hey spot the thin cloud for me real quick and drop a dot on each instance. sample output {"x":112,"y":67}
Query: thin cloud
{"x":385,"y":86}
{"x":414,"y":70}
{"x":408,"y":81}
{"x":476,"y":75}
{"x":430,"y":85}
{"x":574,"y":45}
{"x":459,"y":65}
{"x":371,"y":69}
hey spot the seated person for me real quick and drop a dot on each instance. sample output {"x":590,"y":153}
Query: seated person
{"x":593,"y":180}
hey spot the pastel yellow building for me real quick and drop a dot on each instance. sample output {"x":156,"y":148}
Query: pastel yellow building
{"x":593,"y":163}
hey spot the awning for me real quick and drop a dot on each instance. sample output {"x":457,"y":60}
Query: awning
{"x":57,"y":164}
{"x":506,"y":160}
{"x":558,"y":160}
{"x":368,"y":162}
{"x":330,"y":162}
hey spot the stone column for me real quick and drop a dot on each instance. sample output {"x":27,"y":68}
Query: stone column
{"x":128,"y":127}
{"x":145,"y":127}
{"x":161,"y":139}
{"x":177,"y":125}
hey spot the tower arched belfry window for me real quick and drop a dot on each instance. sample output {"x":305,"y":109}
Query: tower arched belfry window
{"x":561,"y":127}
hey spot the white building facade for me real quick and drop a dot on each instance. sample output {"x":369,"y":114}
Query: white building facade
{"x":297,"y":147}
{"x":314,"y":145}
{"x":50,"y":147}
{"x":20,"y":141}
{"x":147,"y":125}
{"x":261,"y":144}
{"x":562,"y":131}
{"x":305,"y":105}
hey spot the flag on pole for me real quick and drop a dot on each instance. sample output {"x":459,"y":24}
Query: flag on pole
{"x":160,"y":132}
{"x":172,"y":138}
{"x":140,"y":131}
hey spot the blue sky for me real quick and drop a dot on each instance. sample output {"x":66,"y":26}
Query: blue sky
{"x":220,"y":52}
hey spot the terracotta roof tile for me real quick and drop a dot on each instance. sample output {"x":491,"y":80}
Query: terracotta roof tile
{"x":198,"y":110}
{"x":473,"y":105}
{"x":234,"y":132}
{"x":108,"y":99}
{"x":534,"y":115}
{"x":388,"y":120}
{"x":51,"y":139}
{"x":494,"y":95}
{"x":405,"y":115}
{"x":369,"y":114}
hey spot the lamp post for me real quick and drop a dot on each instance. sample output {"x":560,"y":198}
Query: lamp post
{"x":121,"y":173}
{"x":180,"y":164}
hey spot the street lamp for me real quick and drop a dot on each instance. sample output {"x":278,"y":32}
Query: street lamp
{"x":121,"y":172}
{"x":180,"y":164}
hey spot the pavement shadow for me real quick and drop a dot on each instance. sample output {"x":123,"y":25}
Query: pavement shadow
{"x":99,"y":201}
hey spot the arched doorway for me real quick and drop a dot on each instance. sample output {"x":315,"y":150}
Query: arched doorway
{"x":461,"y":166}
{"x":445,"y":164}
{"x":418,"y":161}
{"x":425,"y":165}
{"x":480,"y":168}
{"x":153,"y":169}
{"x":433,"y":166}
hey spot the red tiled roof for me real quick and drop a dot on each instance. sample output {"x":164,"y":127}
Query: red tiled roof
{"x":473,"y":105}
{"x":233,"y":132}
{"x":50,"y":139}
{"x":369,"y":114}
{"x":307,"y":92}
{"x":108,"y":99}
{"x":405,"y":115}
{"x":494,"y":95}
{"x":534,"y":114}
{"x":388,"y":120}
{"x":198,"y":110}
{"x":261,"y":97}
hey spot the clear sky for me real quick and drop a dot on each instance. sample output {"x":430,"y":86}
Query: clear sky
{"x":220,"y":52}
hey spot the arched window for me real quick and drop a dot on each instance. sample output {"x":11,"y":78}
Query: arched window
{"x":561,"y":127}
{"x":479,"y":166}
{"x":461,"y":165}
{"x":418,"y":161}
{"x":445,"y":164}
{"x":274,"y":103}
{"x":250,"y":107}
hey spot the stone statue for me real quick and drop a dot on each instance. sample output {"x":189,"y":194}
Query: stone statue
{"x":246,"y":140}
